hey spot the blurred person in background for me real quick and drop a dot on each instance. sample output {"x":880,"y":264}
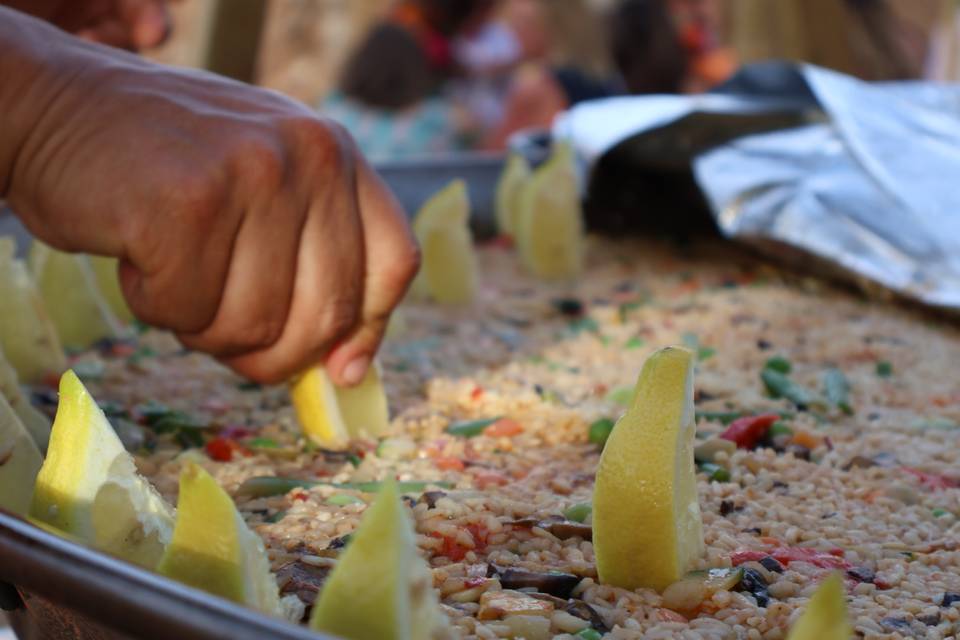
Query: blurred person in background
{"x":392,"y":93}
{"x":246,"y":225}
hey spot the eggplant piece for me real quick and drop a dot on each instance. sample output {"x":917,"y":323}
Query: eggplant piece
{"x":303,"y":580}
{"x":554,"y":583}
{"x":755,"y":584}
{"x":584,"y":611}
{"x":431,"y":497}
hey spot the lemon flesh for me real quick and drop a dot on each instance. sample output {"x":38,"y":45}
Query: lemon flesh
{"x":213,"y":549}
{"x":825,"y":617}
{"x":105,"y":272}
{"x":549,"y":222}
{"x":20,"y":461}
{"x":36,"y":424}
{"x":647,"y":529}
{"x":68,"y":286}
{"x":27,"y":335}
{"x":509,"y":187}
{"x":332,"y":415}
{"x":449,"y":271}
{"x":381,"y":587}
{"x":89,"y":487}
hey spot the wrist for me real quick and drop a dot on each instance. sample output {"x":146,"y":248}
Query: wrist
{"x":32,"y":75}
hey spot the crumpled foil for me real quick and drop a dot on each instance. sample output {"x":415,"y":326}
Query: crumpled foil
{"x":865,"y":179}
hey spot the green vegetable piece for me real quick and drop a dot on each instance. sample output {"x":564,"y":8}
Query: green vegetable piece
{"x":780,"y":429}
{"x":586,"y":323}
{"x":703,"y":353}
{"x":355,"y":460}
{"x":715,"y":472}
{"x":621,"y":396}
{"x":723,"y":417}
{"x":837,"y":389}
{"x":938,"y":512}
{"x":884,"y":369}
{"x":600,"y":430}
{"x":578,"y":512}
{"x":588,"y":634}
{"x":343,"y":499}
{"x":262,"y":443}
{"x":470,"y":428}
{"x":266,"y":486}
{"x":277,"y":517}
{"x":780,"y":386}
{"x":779,"y":364}
{"x":634,"y":343}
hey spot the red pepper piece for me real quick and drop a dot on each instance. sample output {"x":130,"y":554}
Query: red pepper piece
{"x":220,"y":449}
{"x":747,"y":431}
{"x":932,"y":481}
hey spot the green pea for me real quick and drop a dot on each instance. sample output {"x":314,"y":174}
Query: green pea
{"x":588,"y":634}
{"x":715,"y":472}
{"x":578,"y":512}
{"x":600,"y":430}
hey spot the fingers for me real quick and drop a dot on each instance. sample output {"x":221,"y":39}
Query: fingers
{"x":392,"y":260}
{"x":327,"y":294}
{"x":148,"y":22}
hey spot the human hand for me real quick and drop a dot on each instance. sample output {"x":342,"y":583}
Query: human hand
{"x":244,"y":223}
{"x":127,"y":24}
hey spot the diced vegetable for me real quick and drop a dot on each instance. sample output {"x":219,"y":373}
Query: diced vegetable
{"x":938,"y":512}
{"x":262,"y":443}
{"x":779,"y":364}
{"x":578,"y":512}
{"x":707,"y":450}
{"x":837,"y":389}
{"x":884,"y":369}
{"x":343,"y":499}
{"x":715,"y":472}
{"x":780,"y":386}
{"x":588,"y":634}
{"x":470,"y":428}
{"x":633,"y":343}
{"x":504,"y":428}
{"x":746,"y":432}
{"x":265,"y":486}
{"x":600,"y":430}
{"x":779,"y":428}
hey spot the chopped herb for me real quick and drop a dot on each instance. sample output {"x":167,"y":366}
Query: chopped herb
{"x":600,"y":430}
{"x":470,"y":428}
{"x":704,"y":353}
{"x":266,"y":486}
{"x":780,"y":386}
{"x":884,"y":369}
{"x":588,"y":634}
{"x":139,"y":326}
{"x":186,"y":429}
{"x":715,"y":473}
{"x":938,"y":512}
{"x":249,"y":385}
{"x":837,"y":389}
{"x":778,"y":364}
{"x":262,"y":443}
{"x":343,"y":499}
{"x":586,"y":323}
{"x":354,"y":459}
{"x":277,"y":517}
{"x":634,"y":343}
{"x":621,"y":396}
{"x":626,"y":308}
{"x":113,"y":409}
{"x":143,"y":351}
{"x":779,"y":428}
{"x":578,"y":512}
{"x":723,"y":417}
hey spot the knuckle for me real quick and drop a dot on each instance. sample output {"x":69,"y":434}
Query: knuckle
{"x":323,"y":137}
{"x":197,"y":198}
{"x":399,"y":271}
{"x":260,"y":164}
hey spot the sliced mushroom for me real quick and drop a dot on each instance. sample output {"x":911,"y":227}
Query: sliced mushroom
{"x":554,"y":583}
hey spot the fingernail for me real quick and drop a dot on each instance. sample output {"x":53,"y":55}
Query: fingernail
{"x":355,"y":370}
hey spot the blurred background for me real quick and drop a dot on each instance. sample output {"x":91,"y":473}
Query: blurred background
{"x":415,"y":77}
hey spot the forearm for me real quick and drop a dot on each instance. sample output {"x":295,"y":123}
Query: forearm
{"x":31,"y":76}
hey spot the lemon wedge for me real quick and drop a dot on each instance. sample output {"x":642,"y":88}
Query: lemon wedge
{"x":647,"y":529}
{"x":509,"y":187}
{"x":448,"y":274}
{"x":213,"y":549}
{"x":381,"y":587}
{"x":69,"y":288}
{"x":825,"y":617}
{"x":89,"y":487}
{"x":105,"y":272}
{"x":332,"y":415}
{"x":549,"y":221}
{"x":20,"y":461}
{"x":36,"y":424}
{"x":27,"y":335}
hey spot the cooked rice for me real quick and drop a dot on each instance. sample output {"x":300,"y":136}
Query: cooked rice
{"x":513,"y":354}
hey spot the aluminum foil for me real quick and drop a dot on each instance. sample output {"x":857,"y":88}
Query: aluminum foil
{"x":865,"y":180}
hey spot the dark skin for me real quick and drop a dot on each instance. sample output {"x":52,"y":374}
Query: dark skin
{"x":244,"y":223}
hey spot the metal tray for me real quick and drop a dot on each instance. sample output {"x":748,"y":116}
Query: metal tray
{"x":67,"y":591}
